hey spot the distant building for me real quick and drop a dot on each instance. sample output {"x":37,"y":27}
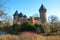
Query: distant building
{"x":1,"y":23}
{"x":19,"y":18}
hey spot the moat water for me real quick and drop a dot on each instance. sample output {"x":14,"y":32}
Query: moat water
{"x":1,"y":33}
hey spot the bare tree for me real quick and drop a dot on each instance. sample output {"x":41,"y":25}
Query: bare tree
{"x":4,"y":17}
{"x":53,"y":21}
{"x":2,"y":9}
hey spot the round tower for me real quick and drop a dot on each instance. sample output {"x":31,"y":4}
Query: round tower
{"x":15,"y":17}
{"x":42,"y":11}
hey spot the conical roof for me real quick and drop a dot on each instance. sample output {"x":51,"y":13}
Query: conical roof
{"x":16,"y":13}
{"x":25,"y":16}
{"x":20,"y":14}
{"x":42,"y":7}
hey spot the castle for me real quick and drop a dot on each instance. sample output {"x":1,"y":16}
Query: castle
{"x":19,"y":18}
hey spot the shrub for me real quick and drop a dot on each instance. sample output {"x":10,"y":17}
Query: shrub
{"x":27,"y":26}
{"x":38,"y":28}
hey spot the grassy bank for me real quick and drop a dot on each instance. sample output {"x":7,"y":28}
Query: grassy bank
{"x":32,"y":37}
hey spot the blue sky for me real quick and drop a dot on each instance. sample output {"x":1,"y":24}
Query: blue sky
{"x":31,"y":7}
